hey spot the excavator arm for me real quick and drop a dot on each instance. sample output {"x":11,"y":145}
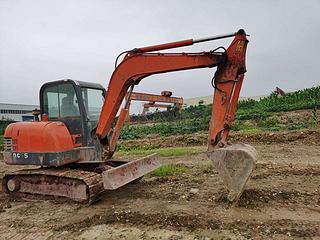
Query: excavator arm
{"x":227,"y":81}
{"x":234,"y":163}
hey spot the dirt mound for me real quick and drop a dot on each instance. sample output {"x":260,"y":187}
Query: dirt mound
{"x":192,"y":223}
{"x":252,"y":198}
{"x":265,"y":170}
{"x":307,"y":136}
{"x":136,"y":218}
{"x":154,"y":141}
{"x":304,"y":115}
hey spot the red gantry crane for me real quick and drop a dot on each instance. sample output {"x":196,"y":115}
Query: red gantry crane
{"x":153,"y":101}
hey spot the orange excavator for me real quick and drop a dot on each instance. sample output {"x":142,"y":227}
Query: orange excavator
{"x":71,"y":147}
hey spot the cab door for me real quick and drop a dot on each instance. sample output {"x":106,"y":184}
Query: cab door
{"x":60,"y":102}
{"x":93,"y":100}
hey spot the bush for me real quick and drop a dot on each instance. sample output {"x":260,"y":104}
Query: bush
{"x":3,"y":125}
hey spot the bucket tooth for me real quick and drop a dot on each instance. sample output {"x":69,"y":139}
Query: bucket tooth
{"x":234,"y":165}
{"x":126,"y":173}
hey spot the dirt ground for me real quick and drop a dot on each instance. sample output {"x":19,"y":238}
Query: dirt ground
{"x":281,"y":201}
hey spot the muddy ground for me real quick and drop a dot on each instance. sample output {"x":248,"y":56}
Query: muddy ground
{"x":281,"y":201}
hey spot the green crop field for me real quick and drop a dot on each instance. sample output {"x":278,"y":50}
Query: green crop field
{"x":251,"y":115}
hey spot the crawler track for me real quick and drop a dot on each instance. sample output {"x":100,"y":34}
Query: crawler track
{"x":48,"y":183}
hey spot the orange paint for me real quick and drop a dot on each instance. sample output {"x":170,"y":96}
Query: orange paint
{"x":39,"y":137}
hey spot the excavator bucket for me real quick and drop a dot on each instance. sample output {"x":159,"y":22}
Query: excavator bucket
{"x":126,"y":173}
{"x":234,"y":165}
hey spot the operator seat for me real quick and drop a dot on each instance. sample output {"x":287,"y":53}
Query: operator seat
{"x":68,"y":109}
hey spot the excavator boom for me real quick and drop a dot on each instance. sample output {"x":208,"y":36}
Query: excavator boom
{"x":139,"y":63}
{"x":227,"y":80}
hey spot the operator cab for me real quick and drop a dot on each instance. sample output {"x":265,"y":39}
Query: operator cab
{"x":75,"y":103}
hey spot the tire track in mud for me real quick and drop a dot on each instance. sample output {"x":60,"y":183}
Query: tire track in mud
{"x":192,"y":223}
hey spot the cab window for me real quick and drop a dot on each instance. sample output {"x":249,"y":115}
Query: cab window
{"x":60,"y":101}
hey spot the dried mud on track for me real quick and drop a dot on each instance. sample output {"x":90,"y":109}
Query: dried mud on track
{"x":281,"y":201}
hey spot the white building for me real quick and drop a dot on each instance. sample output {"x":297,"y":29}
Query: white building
{"x":17,"y":112}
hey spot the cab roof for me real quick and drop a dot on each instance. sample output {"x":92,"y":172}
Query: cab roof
{"x":76,"y":82}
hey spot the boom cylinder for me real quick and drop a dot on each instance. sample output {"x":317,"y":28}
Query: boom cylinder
{"x":184,"y":43}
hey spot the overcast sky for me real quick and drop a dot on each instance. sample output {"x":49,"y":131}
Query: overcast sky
{"x":42,"y":40}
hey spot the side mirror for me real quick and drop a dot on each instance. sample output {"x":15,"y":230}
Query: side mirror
{"x":36,"y":112}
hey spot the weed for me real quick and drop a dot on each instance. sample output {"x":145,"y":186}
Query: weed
{"x":268,"y":123}
{"x":169,"y":170}
{"x":235,"y":126}
{"x":208,"y":167}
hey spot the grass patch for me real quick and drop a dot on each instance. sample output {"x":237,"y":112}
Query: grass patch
{"x":130,"y":147}
{"x":169,"y":170}
{"x":251,"y":130}
{"x":163,"y":152}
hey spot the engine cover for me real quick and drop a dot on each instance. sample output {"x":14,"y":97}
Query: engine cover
{"x":39,"y":137}
{"x":38,"y":143}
